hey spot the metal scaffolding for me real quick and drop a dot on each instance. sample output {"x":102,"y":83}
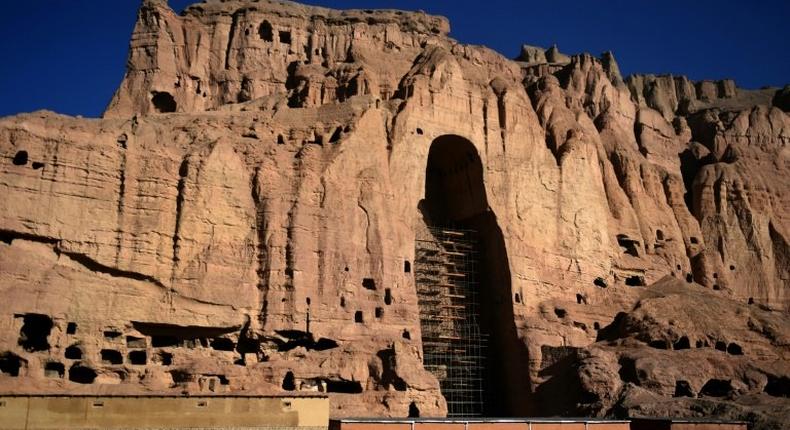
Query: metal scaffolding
{"x":447,"y":291}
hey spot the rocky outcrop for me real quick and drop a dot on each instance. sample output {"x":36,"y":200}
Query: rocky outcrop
{"x":218,"y":53}
{"x":244,"y":218}
{"x":687,"y":352}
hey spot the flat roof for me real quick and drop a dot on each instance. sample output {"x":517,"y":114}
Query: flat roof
{"x":690,"y":420}
{"x":168,"y":396}
{"x":477,"y":420}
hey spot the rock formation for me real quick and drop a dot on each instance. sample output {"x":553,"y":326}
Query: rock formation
{"x":244,"y":218}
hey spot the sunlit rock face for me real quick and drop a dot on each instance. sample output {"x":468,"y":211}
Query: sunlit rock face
{"x":244,"y":219}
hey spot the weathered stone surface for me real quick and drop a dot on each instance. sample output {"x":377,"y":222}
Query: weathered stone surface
{"x":241,"y":219}
{"x":686,"y":351}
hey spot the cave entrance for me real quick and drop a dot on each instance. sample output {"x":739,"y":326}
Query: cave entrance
{"x":462,"y":276}
{"x":163,"y":102}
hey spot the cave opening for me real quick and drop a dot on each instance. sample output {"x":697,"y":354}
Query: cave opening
{"x":135,"y":342}
{"x":266,"y":32}
{"x":10,"y":363}
{"x":289,"y":382}
{"x":341,"y":386}
{"x":81,"y":374}
{"x":163,"y":102}
{"x":54,"y":369}
{"x":463,"y":281}
{"x":414,"y":411}
{"x":111,"y":356}
{"x":716,"y":388}
{"x":164,"y":358}
{"x":34,"y":334}
{"x":73,"y":352}
{"x":222,"y":344}
{"x":20,"y":158}
{"x":138,"y":358}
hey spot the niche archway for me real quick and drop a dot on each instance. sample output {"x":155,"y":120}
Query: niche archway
{"x":461,"y":262}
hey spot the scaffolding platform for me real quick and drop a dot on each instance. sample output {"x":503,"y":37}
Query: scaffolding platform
{"x":447,"y":292}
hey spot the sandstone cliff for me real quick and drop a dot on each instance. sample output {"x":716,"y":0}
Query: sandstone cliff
{"x":244,"y":218}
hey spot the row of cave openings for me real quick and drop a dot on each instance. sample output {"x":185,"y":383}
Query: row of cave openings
{"x":324,"y":385}
{"x":157,"y":346}
{"x":613,"y":332}
{"x":34,"y":338}
{"x":370,"y":285}
{"x":386,"y":379}
{"x":266,"y":33}
{"x":315,"y":137}
{"x":164,"y":102}
{"x":776,"y":385}
{"x":683,"y":342}
{"x":632,"y":247}
{"x":22,"y":158}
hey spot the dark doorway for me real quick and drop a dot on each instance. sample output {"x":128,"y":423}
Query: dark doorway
{"x":82,"y":374}
{"x":456,"y":204}
{"x":34,"y":334}
{"x":266,"y":32}
{"x":163,"y":102}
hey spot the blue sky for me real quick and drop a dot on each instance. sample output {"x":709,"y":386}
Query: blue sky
{"x":69,"y":55}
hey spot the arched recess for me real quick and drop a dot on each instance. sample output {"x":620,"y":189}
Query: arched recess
{"x":456,"y":206}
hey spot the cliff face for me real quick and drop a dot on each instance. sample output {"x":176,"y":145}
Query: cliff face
{"x":245,"y":216}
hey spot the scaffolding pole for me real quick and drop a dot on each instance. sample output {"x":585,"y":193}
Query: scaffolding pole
{"x":446,"y":264}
